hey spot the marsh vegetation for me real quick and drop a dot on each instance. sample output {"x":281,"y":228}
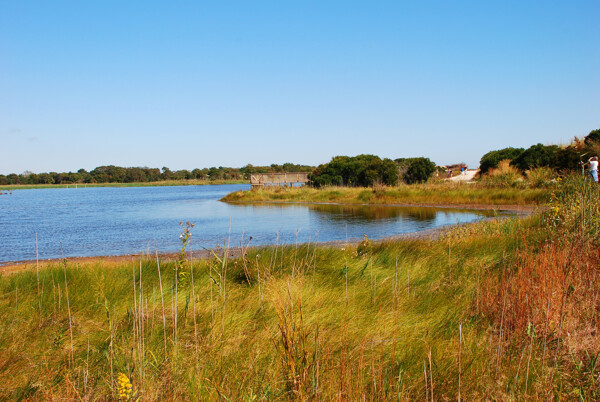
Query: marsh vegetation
{"x":499,"y":309}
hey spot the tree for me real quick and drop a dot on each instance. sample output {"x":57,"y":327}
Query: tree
{"x":167,"y":174}
{"x":214,"y":173}
{"x":361,"y":170}
{"x":45,"y":178}
{"x":13,"y":178}
{"x":135,"y":175}
{"x":593,"y":137}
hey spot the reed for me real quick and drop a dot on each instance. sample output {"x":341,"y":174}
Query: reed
{"x":162,"y":301}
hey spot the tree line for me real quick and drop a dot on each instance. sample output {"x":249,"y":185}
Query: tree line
{"x":361,"y":170}
{"x":117,"y":174}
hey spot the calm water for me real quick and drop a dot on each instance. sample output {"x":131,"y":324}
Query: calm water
{"x":114,"y":221}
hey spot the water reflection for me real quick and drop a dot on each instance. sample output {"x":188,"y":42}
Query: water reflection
{"x":109,"y":221}
{"x":369,"y":213}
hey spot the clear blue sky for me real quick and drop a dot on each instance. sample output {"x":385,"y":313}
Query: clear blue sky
{"x":199,"y":84}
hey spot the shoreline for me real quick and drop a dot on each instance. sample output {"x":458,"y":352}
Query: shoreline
{"x":523,"y":209}
{"x":12,"y":267}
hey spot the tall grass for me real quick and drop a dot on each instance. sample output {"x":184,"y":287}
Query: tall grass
{"x":550,"y":300}
{"x":324,"y":329}
{"x":504,"y":175}
{"x":503,"y":309}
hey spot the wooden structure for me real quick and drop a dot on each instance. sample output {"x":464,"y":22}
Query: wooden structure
{"x":260,"y":180}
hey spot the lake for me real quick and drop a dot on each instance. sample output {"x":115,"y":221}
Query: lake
{"x":78,"y":222}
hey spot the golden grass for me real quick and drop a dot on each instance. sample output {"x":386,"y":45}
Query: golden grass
{"x":286,"y":322}
{"x":420,"y":194}
{"x":319,"y":322}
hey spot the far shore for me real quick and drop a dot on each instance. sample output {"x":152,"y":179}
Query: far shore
{"x":193,"y":182}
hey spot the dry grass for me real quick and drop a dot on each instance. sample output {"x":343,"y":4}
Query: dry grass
{"x":545,"y":303}
{"x":289,"y":323}
{"x":515,"y":301}
{"x":503,"y":176}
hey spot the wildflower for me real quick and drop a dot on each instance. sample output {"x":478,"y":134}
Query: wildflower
{"x":125,"y":387}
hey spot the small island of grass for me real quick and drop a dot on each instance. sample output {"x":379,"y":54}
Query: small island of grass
{"x":434,"y":194}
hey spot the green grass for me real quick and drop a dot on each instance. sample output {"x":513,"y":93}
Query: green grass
{"x":321,"y":320}
{"x":193,"y":182}
{"x":371,"y":321}
{"x":437,"y":194}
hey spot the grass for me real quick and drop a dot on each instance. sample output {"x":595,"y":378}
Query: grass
{"x":508,"y":306}
{"x":357,"y":319}
{"x":192,"y":182}
{"x":436,"y":193}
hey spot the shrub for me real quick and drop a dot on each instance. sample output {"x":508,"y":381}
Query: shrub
{"x":593,"y":137}
{"x":540,"y":177}
{"x":415,"y":170}
{"x":493,"y":158}
{"x":503,"y":176}
{"x":568,"y":158}
{"x":536,"y":156}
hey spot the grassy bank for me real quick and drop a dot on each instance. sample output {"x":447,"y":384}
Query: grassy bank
{"x":193,"y":182}
{"x":502,"y":309}
{"x":439,"y":194}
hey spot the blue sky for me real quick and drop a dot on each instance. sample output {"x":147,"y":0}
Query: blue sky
{"x":226,"y":83}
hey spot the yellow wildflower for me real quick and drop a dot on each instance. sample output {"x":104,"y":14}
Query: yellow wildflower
{"x":125,"y":387}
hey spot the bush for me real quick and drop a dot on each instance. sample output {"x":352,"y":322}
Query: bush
{"x":540,"y":177}
{"x":536,"y":156}
{"x":568,"y":158}
{"x":503,"y":176}
{"x":593,"y":137}
{"x":493,"y":158}
{"x":415,"y":170}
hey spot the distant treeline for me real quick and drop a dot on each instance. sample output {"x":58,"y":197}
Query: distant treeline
{"x":117,"y":174}
{"x":360,"y":170}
